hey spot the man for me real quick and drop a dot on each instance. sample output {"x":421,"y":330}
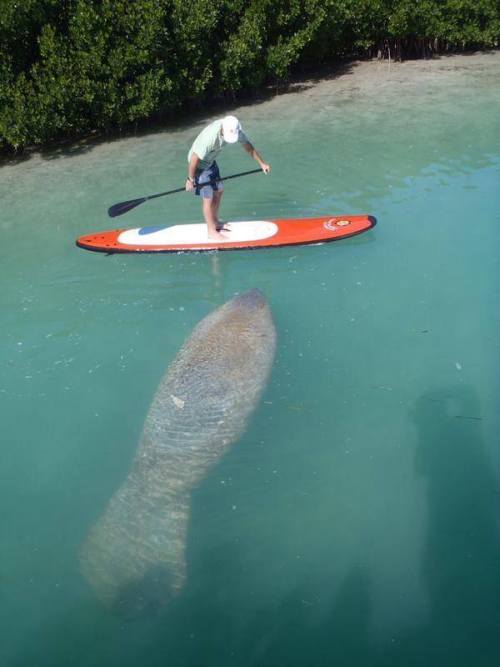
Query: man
{"x":203,"y":167}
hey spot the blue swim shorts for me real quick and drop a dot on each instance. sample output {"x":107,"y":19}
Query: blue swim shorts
{"x":207,"y":175}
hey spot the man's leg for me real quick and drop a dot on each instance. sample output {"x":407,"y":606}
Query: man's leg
{"x":216,"y":205}
{"x":211,"y":200}
{"x":209,"y":213}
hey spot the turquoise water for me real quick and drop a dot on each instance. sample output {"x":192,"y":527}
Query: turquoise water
{"x":357,"y":521}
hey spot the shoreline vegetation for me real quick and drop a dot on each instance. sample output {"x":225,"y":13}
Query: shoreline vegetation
{"x":78,"y":68}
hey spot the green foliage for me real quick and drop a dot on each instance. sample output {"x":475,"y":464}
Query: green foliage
{"x":76,"y":66}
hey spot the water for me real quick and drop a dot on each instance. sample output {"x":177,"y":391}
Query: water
{"x":357,"y":521}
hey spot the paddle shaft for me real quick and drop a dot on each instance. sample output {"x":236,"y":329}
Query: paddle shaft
{"x":124,"y":207}
{"x":199,"y":185}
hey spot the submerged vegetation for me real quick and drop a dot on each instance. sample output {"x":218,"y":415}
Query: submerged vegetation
{"x":70,"y":67}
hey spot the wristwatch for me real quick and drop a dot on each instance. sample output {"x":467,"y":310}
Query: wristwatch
{"x":191,"y":179}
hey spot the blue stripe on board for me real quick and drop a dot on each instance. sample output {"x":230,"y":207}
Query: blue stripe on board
{"x":143,"y":231}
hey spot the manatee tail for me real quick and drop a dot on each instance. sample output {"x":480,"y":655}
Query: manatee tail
{"x":134,"y":555}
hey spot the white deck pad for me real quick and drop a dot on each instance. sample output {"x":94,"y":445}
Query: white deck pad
{"x":247,"y":230}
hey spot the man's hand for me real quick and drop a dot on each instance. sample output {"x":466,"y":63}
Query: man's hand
{"x":266,"y":168}
{"x":189,"y":185}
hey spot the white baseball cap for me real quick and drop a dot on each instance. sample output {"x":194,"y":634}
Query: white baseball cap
{"x":230,"y":129}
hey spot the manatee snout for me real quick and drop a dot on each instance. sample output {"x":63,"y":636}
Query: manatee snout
{"x":251,"y":300}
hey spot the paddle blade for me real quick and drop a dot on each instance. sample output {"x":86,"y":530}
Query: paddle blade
{"x":124,"y":207}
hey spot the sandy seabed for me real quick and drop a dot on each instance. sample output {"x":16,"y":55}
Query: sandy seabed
{"x":370,"y":75}
{"x":376,"y":77}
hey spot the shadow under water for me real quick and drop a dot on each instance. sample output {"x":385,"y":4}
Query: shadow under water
{"x":461,"y":560}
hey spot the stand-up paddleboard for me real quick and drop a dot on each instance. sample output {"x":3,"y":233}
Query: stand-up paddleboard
{"x":242,"y":235}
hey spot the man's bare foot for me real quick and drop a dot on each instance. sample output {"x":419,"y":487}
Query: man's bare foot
{"x":216,"y":236}
{"x":219,"y":226}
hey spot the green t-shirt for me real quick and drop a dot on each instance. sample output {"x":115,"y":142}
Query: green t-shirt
{"x":208,"y":144}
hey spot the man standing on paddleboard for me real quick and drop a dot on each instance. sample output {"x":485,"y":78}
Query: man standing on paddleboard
{"x":203,"y":167}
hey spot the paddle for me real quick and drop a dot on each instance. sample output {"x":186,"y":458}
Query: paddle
{"x":125,"y":206}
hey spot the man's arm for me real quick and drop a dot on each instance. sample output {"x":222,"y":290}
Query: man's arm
{"x":193,"y":166}
{"x":266,"y":168}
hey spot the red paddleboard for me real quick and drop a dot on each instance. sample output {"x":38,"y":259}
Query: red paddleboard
{"x":242,"y":235}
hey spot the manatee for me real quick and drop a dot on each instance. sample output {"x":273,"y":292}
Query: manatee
{"x":134,"y":555}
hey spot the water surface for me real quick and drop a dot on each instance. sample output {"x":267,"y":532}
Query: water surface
{"x":357,"y":521}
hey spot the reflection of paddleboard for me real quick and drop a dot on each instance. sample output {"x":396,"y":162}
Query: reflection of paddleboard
{"x":240,"y":235}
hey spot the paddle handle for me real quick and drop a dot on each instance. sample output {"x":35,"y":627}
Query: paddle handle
{"x":242,"y":173}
